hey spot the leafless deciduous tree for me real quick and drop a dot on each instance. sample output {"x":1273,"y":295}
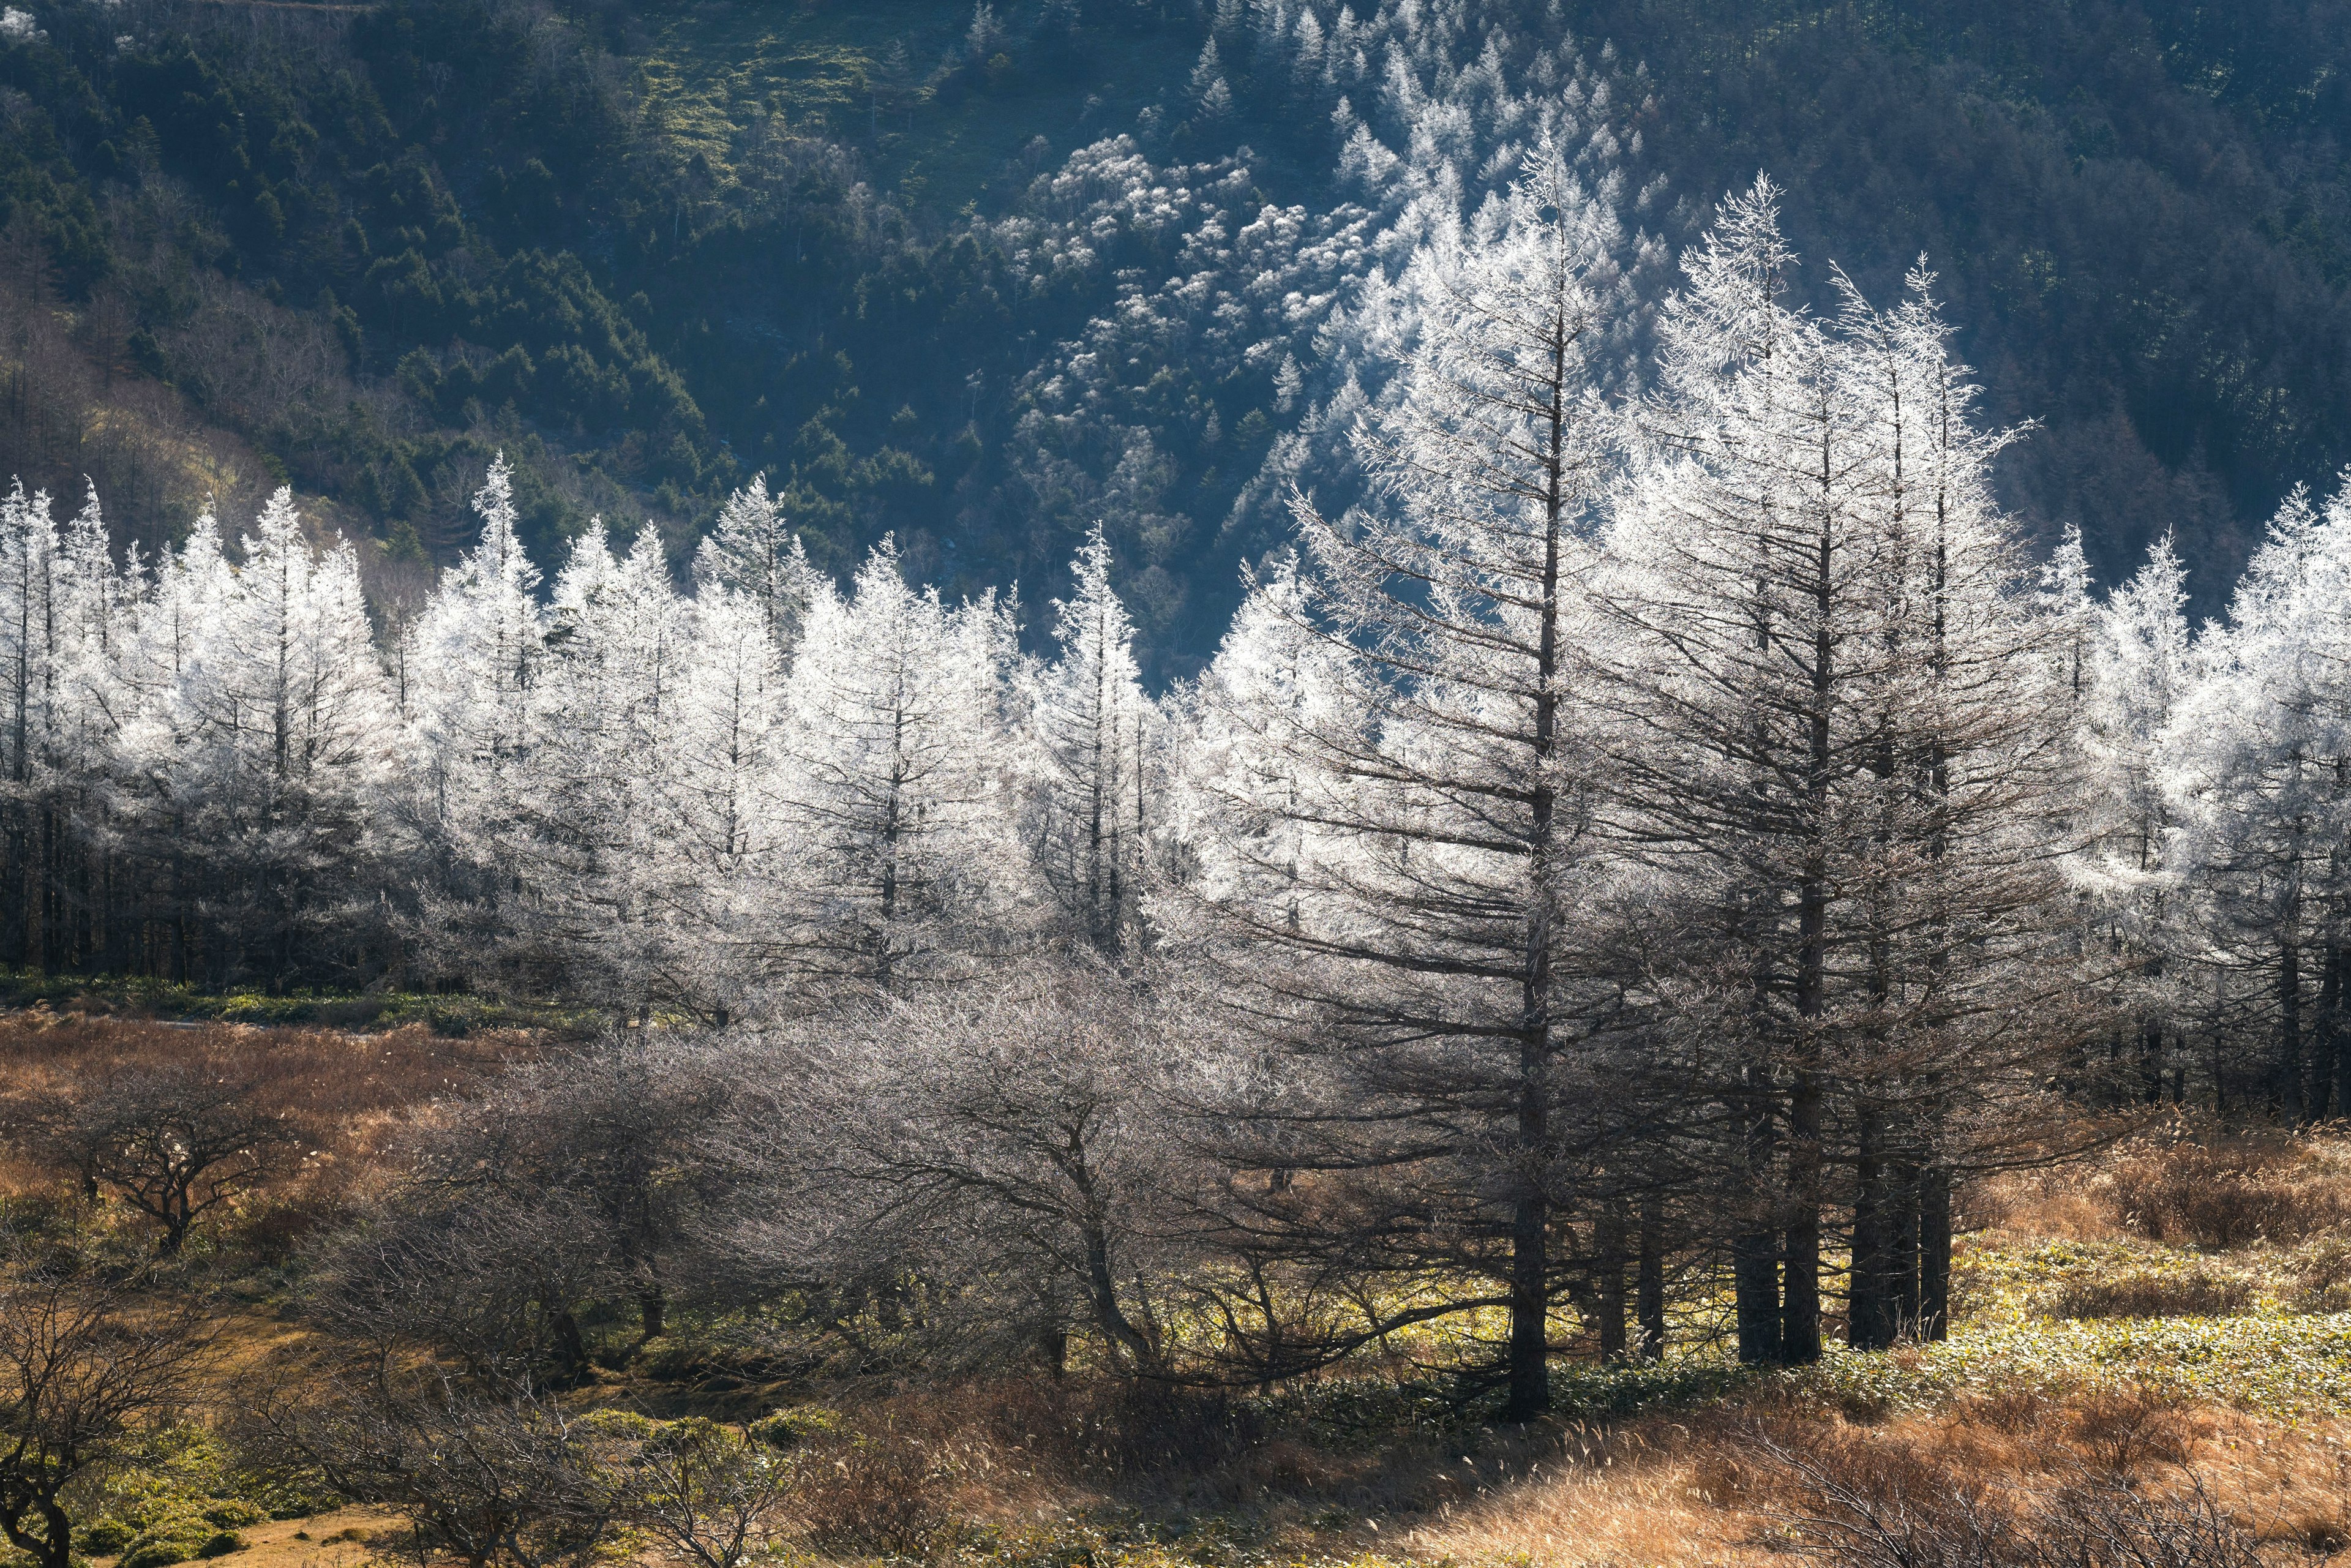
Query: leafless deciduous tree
{"x":86,"y":1373}
{"x":490,"y":1471}
{"x":176,"y":1142}
{"x":1018,"y":1143}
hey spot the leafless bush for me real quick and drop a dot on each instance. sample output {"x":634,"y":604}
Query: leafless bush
{"x":2217,"y":1197}
{"x":177,"y":1141}
{"x":1893,"y":1508}
{"x":2145,"y":1293}
{"x":2122,"y":1432}
{"x":491,"y":1472}
{"x":876,"y":1492}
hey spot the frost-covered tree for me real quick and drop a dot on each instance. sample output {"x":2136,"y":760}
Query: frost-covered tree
{"x":1093,"y":733}
{"x":2260,"y":755}
{"x":2137,"y":669}
{"x":897,"y":801}
{"x":293,"y":726}
{"x":1833,"y":739}
{"x":599,"y":860}
{"x":472,"y":661}
{"x":1420,"y":944}
{"x":59,"y":599}
{"x":752,"y":552}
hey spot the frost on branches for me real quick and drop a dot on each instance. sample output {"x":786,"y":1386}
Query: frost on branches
{"x":1651,"y":817}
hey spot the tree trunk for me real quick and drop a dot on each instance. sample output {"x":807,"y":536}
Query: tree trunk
{"x":1799,"y":1314}
{"x":1530,"y":1352}
{"x":2289,"y":1063}
{"x":1865,"y":1291}
{"x":1649,"y":1291}
{"x":1755,"y":1254}
{"x":1902,"y":1249}
{"x":571,"y":1348}
{"x":1609,"y":1295}
{"x":2338,"y":959}
{"x":1934,"y":1253}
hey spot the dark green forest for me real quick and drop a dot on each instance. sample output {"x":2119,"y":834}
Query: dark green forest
{"x":651,"y":250}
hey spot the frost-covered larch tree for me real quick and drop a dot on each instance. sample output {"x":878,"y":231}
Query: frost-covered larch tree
{"x":59,"y":605}
{"x":752,"y":552}
{"x":1423,"y":946}
{"x":283,"y":739}
{"x":2138,"y":669}
{"x":2260,"y":775}
{"x":472,"y":659}
{"x":601,"y":861}
{"x":897,"y":800}
{"x":1830,"y":735}
{"x":1095,"y":730}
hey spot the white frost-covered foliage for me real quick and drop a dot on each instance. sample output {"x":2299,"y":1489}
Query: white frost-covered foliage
{"x":1432,"y":108}
{"x":1604,"y":603}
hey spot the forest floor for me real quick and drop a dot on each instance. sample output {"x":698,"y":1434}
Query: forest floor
{"x":2170,"y":1321}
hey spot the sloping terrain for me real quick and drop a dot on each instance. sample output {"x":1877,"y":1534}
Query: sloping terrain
{"x":896,"y":256}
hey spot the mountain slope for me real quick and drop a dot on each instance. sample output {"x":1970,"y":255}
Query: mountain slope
{"x":897,"y":256}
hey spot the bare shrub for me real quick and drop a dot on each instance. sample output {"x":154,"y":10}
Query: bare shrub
{"x":875,"y":1490}
{"x":2193,"y":1194}
{"x":1889,"y":1506}
{"x":2007,"y":1411}
{"x":2123,"y":1431}
{"x":2146,"y":1293}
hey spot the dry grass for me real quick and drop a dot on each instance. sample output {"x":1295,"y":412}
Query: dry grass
{"x":1021,"y":1469}
{"x":350,"y":1538}
{"x":351,"y":1092}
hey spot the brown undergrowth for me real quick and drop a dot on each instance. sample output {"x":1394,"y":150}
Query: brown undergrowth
{"x":2184,"y":1224}
{"x":348,"y":1092}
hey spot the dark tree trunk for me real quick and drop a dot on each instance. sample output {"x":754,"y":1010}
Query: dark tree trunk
{"x":2289,"y":1060}
{"x":1649,"y":1290}
{"x":1865,"y":1305}
{"x":1609,"y":1293}
{"x":1934,"y":1253}
{"x":2337,"y":960}
{"x":1799,"y":1311}
{"x":1902,"y":1251}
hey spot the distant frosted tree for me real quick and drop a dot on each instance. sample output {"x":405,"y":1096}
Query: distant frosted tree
{"x":472,"y":659}
{"x":601,"y":861}
{"x":753,"y":553}
{"x":59,"y":605}
{"x":259,"y":762}
{"x":2259,"y":775}
{"x":897,"y":800}
{"x":1092,"y":728}
{"x":2137,"y":668}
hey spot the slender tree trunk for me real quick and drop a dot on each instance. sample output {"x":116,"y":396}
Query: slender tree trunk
{"x":1529,"y":1251}
{"x":1609,"y":1279}
{"x":1649,"y":1290}
{"x":1866,"y":1314}
{"x":1934,"y":1253}
{"x":1755,"y":1254}
{"x":2289,"y":1062}
{"x":1902,"y":1233}
{"x":1800,"y":1313}
{"x":2338,"y":961}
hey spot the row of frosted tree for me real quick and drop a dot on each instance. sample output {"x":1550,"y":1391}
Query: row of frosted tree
{"x":1668,"y":825}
